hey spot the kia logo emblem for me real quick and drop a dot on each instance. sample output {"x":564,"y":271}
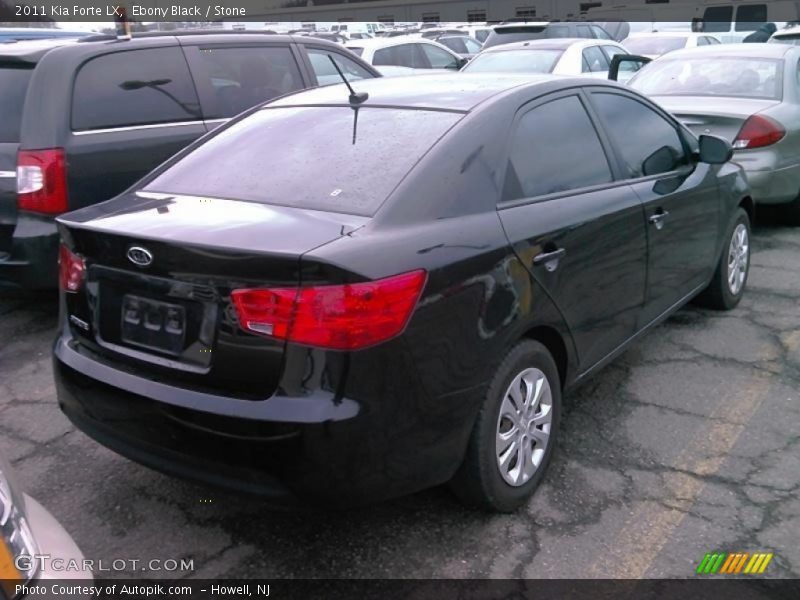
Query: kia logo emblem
{"x":139,"y":256}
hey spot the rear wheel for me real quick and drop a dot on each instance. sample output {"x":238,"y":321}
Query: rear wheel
{"x":730,"y":279}
{"x":513,"y":437}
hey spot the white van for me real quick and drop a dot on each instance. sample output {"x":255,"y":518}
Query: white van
{"x":734,"y":20}
{"x":346,"y":29}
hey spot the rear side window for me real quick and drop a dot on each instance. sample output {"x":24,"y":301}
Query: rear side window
{"x":137,"y":87}
{"x":243,"y":77}
{"x":594,"y":61}
{"x":309,"y":157}
{"x":555,"y":149}
{"x":325,"y":71}
{"x":13,"y":86}
{"x":647,"y":143}
{"x":405,"y":55}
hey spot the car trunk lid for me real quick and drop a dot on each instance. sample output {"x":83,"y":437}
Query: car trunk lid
{"x":159,"y":274}
{"x":722,"y":117}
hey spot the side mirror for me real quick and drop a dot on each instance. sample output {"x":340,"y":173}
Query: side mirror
{"x":619,"y":59}
{"x":714,"y":150}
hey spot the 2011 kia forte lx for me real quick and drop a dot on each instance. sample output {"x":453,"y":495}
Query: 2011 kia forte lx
{"x":345,"y":297}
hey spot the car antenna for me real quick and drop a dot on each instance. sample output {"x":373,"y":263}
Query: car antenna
{"x":355,"y":98}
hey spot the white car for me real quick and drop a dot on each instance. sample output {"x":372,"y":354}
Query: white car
{"x":655,"y":44}
{"x":479,"y":32}
{"x":590,"y":58}
{"x":790,"y":35}
{"x":27,"y":532}
{"x":411,"y":53}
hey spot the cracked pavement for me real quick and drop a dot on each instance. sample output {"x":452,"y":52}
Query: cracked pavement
{"x":688,"y":443}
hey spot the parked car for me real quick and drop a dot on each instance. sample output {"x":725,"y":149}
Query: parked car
{"x":345,"y":296}
{"x":746,"y":93}
{"x":524,"y":32}
{"x":591,"y":58}
{"x":731,"y":22}
{"x":331,"y":37}
{"x":464,"y":45}
{"x":653,"y":45}
{"x":790,"y":35}
{"x":84,"y":120}
{"x":408,"y":52}
{"x":27,"y":531}
{"x":432,"y":34}
{"x":479,"y":32}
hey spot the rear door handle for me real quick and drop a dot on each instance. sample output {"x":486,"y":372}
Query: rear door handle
{"x":658,"y":218}
{"x":549,"y":259}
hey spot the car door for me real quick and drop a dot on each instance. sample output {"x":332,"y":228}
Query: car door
{"x":577,"y":228}
{"x":679,"y":195}
{"x":230,"y":79}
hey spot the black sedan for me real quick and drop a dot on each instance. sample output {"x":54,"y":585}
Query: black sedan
{"x":345,"y":297}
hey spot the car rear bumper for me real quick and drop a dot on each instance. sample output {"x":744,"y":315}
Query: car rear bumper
{"x":770,"y":182}
{"x":392,"y":444}
{"x":32,"y":261}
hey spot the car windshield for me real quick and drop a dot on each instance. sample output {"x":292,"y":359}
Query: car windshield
{"x":654,"y":45}
{"x":514,"y":61}
{"x":733,"y":76}
{"x":309,"y":157}
{"x":356,"y":50}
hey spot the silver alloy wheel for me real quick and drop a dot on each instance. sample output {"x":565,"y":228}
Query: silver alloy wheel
{"x":738,"y":259}
{"x":523,"y":426}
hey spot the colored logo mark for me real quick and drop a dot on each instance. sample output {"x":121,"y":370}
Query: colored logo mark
{"x":734,"y":563}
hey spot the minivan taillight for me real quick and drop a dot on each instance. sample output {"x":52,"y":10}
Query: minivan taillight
{"x":42,"y":181}
{"x":338,"y":317}
{"x":759,"y":131}
{"x":71,"y":270}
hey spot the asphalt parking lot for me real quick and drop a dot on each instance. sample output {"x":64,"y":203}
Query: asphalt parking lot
{"x":687,"y":444}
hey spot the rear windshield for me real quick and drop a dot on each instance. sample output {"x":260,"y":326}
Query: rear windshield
{"x":523,"y":33}
{"x":13,"y":85}
{"x":654,"y":45}
{"x":514,"y":61}
{"x":731,"y":76}
{"x":309,"y":157}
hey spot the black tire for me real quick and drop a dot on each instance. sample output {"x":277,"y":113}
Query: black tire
{"x":478,"y":482}
{"x":792,"y":212}
{"x":718,"y":295}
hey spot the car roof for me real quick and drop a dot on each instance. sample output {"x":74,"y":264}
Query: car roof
{"x":455,"y":92}
{"x":375,"y":43}
{"x":733,"y":50}
{"x":549,"y":44}
{"x":650,"y":34}
{"x":31,"y":50}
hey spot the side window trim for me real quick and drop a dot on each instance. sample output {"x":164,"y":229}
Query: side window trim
{"x":527,"y":107}
{"x":618,"y":160}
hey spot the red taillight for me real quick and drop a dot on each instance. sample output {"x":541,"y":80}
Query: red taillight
{"x":71,"y":270}
{"x":42,"y":181}
{"x":759,"y":131}
{"x":339,"y":317}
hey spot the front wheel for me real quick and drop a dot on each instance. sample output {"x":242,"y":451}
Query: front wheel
{"x":730,"y":278}
{"x":513,"y":437}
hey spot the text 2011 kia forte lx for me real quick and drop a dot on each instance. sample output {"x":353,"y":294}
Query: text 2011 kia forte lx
{"x":344,"y":299}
